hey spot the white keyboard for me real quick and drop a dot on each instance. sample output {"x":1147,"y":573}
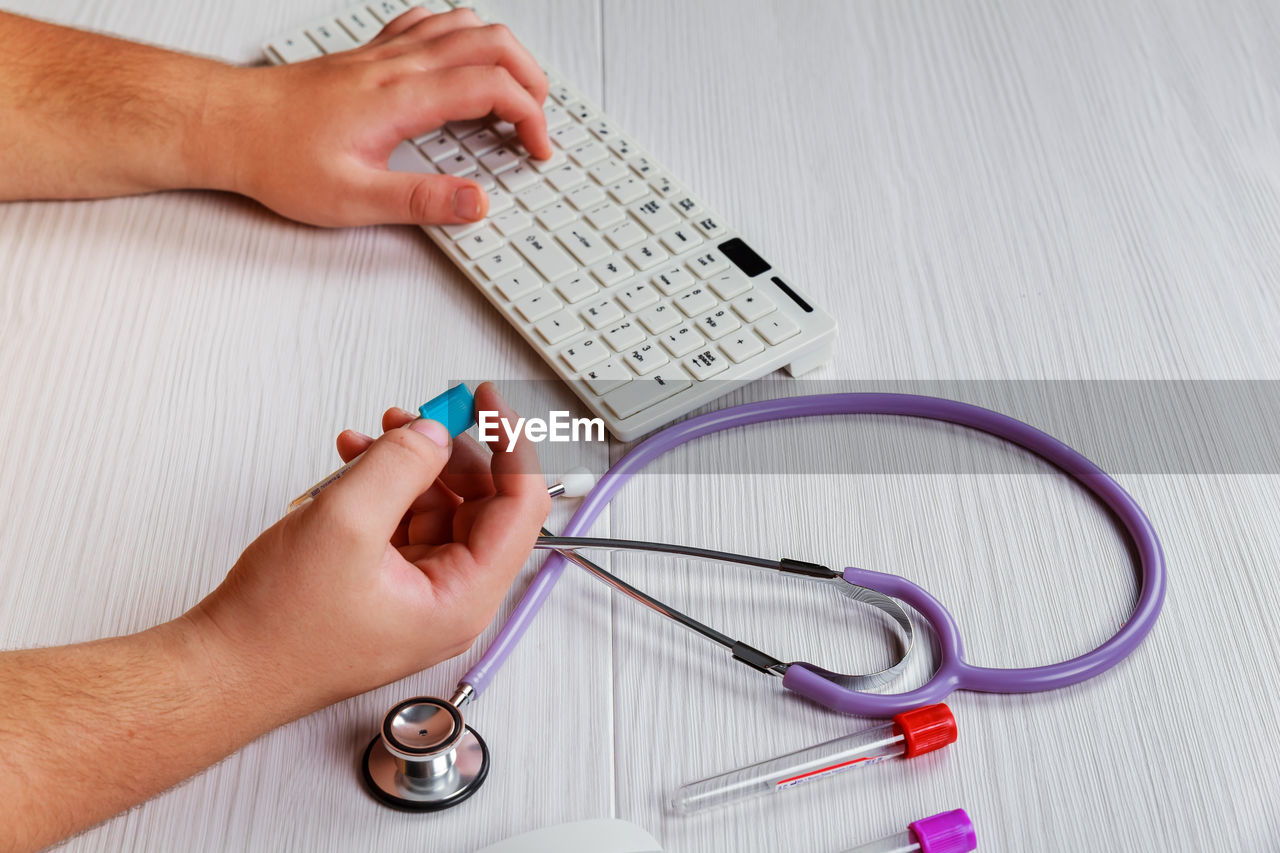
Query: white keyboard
{"x":634,"y":291}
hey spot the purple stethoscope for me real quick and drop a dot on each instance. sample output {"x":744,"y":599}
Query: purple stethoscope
{"x":429,"y":760}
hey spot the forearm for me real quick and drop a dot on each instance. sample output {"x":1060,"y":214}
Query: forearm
{"x":85,"y":115}
{"x":89,"y":730}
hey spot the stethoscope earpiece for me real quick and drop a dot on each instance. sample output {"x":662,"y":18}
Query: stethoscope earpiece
{"x":425,"y":758}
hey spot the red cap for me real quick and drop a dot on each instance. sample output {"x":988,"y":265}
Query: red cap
{"x":926,"y":729}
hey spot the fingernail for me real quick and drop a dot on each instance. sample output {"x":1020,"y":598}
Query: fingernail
{"x":360,"y":435}
{"x":467,"y":203}
{"x":406,"y":413}
{"x":433,"y":430}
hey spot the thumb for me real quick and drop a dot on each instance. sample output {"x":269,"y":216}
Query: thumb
{"x":402,"y":464}
{"x":414,"y":199}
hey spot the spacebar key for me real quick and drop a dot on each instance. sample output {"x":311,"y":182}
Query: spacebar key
{"x":640,"y":394}
{"x":544,"y":255}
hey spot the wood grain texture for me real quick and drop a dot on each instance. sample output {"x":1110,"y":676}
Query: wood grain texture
{"x":985,"y":190}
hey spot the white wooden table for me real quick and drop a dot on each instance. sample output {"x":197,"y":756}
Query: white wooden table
{"x":977,"y":190}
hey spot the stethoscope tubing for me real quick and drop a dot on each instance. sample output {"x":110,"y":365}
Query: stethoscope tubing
{"x":953,"y":672}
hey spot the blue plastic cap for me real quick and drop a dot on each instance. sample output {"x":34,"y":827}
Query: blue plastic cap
{"x":948,"y":832}
{"x":455,"y":408}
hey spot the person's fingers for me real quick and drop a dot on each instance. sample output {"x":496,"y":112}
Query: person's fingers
{"x":488,"y":45}
{"x":434,"y":527}
{"x":468,"y":92}
{"x":503,"y":529}
{"x":425,"y":29}
{"x":351,"y":444}
{"x":467,"y":474}
{"x":396,"y":417}
{"x":399,"y":25}
{"x":398,"y":467}
{"x":413,"y":199}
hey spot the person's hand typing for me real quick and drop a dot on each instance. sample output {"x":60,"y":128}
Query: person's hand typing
{"x":397,"y":566}
{"x":311,"y":140}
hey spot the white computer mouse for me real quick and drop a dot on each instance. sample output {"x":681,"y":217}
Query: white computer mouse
{"x":606,"y":835}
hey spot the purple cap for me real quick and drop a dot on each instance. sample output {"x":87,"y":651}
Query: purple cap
{"x":948,"y":832}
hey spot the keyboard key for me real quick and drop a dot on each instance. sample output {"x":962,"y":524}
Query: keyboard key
{"x":659,"y":318}
{"x":604,"y":130}
{"x":499,"y":200}
{"x":718,"y":323}
{"x":602,"y":313}
{"x":777,"y":329}
{"x":628,"y":190}
{"x":430,"y":134}
{"x":556,"y":216}
{"x":556,"y":115}
{"x":483,"y":178}
{"x":673,"y":280}
{"x":461,"y":229}
{"x":566,"y":177}
{"x":435,"y":7}
{"x":645,"y":358}
{"x":624,"y":148}
{"x":500,"y":160}
{"x":753,"y":306}
{"x":562,"y":94}
{"x":681,"y":341}
{"x":359,"y":24}
{"x":625,"y":235}
{"x":729,"y":284}
{"x":584,"y":243}
{"x":625,"y":334}
{"x":479,"y":243}
{"x":536,"y":197}
{"x":544,"y":255}
{"x":584,"y":353}
{"x":638,"y":295}
{"x":706,"y":364}
{"x":519,"y":178}
{"x":606,"y":376}
{"x":640,"y":394}
{"x":577,"y":288}
{"x":682,"y":239}
{"x":483,"y":142}
{"x":535,"y":306}
{"x":588,"y":153}
{"x":439,"y":147}
{"x":710,"y":226}
{"x":558,"y":326}
{"x":465,"y":127}
{"x":582,"y":111}
{"x":688,"y":205}
{"x":499,"y":264}
{"x":642,"y":166}
{"x":655,"y":215}
{"x":608,"y":172}
{"x":458,"y":164}
{"x":663,"y":185}
{"x":708,"y":264}
{"x":647,"y":255}
{"x":511,"y":222}
{"x":585,"y":196}
{"x":519,"y":284}
{"x":331,"y":38}
{"x":741,"y":347}
{"x":603,"y":215}
{"x":555,"y":161}
{"x":611,"y":272}
{"x":696,"y":301}
{"x":387,"y":11}
{"x":295,"y":48}
{"x":569,"y":136}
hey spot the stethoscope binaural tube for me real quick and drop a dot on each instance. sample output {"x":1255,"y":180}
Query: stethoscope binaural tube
{"x":953,"y":672}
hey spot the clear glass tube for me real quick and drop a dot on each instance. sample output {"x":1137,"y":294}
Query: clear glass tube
{"x":860,"y":749}
{"x":903,"y":842}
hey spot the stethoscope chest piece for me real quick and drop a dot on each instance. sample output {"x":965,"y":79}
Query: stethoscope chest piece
{"x":424,"y":759}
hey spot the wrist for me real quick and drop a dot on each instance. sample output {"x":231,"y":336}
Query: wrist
{"x":220,"y":126}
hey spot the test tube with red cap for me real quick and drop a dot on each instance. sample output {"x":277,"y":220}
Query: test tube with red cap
{"x":948,"y":832}
{"x":907,"y":735}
